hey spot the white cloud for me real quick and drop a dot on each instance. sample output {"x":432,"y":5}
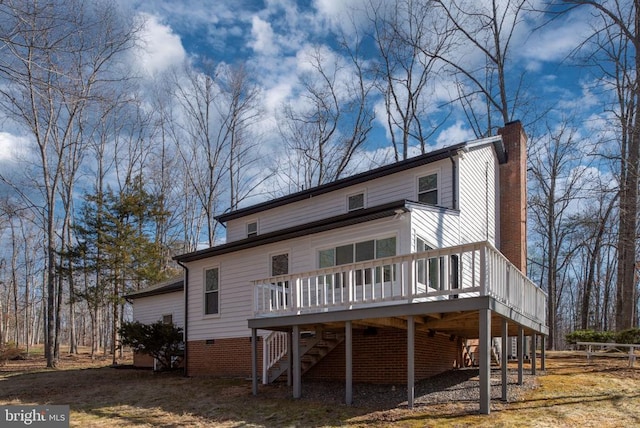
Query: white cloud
{"x":263,"y":39}
{"x":11,"y":145}
{"x":454,"y":134}
{"x":161,"y":47}
{"x":555,"y":41}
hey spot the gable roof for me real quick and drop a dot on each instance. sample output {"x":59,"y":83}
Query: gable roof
{"x":335,"y":222}
{"x":382,"y":171}
{"x":169,"y":286}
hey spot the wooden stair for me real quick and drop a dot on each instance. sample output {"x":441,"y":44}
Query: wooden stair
{"x":314,"y":346}
{"x":470,"y":354}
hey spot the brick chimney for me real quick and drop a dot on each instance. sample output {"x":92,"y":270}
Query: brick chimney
{"x":513,"y":195}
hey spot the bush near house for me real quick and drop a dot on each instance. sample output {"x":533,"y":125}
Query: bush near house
{"x":162,"y":341}
{"x":631,"y":335}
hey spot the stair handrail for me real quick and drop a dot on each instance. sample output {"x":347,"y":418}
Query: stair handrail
{"x":275,"y":346}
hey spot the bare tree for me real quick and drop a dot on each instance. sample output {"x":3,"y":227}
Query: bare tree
{"x":487,"y":28}
{"x":615,"y":44}
{"x":55,"y":56}
{"x":410,"y":38}
{"x":239,"y":112}
{"x":556,"y":174}
{"x":203,"y":149}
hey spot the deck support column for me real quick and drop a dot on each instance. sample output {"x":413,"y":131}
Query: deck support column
{"x":254,"y":361}
{"x":520,"y":354}
{"x":484,"y":339}
{"x":534,"y":338}
{"x":411,"y":340}
{"x":504,"y":360}
{"x":289,"y":358}
{"x":348,"y":344}
{"x":542,"y":354}
{"x":297,"y":374}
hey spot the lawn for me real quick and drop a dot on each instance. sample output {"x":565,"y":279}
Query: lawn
{"x":572,"y":392}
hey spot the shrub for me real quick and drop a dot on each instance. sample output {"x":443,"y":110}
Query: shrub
{"x":590,"y":336}
{"x":9,"y":351}
{"x":631,"y":335}
{"x":162,"y":341}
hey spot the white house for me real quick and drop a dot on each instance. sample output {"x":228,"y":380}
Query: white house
{"x":160,"y":302}
{"x":378,"y":277}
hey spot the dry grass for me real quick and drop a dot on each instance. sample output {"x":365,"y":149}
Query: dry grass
{"x":572,"y":392}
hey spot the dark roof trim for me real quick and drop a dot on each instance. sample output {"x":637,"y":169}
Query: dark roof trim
{"x":156,"y":290}
{"x":414,"y":162}
{"x":354,"y":217}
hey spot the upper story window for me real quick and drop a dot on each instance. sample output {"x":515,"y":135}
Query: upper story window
{"x":212,"y":291}
{"x":252,"y":229}
{"x":428,"y":189}
{"x":355,"y":202}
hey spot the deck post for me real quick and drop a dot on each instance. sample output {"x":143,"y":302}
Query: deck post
{"x":297,"y":374}
{"x":411,"y":338}
{"x":348,"y":345}
{"x":534,"y":338}
{"x":543,"y":355}
{"x":520,"y":354}
{"x":484,"y":339}
{"x":504,"y":360}
{"x":289,"y":358}
{"x":254,"y":361}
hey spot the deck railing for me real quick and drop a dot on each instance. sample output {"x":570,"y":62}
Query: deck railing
{"x":468,"y":270}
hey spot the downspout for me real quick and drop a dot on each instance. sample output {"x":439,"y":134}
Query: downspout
{"x":186,"y":314}
{"x":454,"y":176}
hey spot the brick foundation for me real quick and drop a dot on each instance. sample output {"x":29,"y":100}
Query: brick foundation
{"x":142,"y":360}
{"x":377,"y":358}
{"x":382,"y":357}
{"x":222,"y":357}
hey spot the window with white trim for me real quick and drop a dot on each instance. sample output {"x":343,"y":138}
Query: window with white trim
{"x":355,"y":202}
{"x":252,"y":229}
{"x":358,"y":252}
{"x":212,"y":291}
{"x":428,"y":189}
{"x":167,"y":319}
{"x":280,"y":266}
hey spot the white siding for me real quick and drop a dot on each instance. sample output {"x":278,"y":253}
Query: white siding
{"x":394,"y":187}
{"x":150,"y":309}
{"x":478,"y":189}
{"x":439,"y":227}
{"x":238,"y":269}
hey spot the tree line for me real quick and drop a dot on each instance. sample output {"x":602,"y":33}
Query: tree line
{"x":115,"y":173}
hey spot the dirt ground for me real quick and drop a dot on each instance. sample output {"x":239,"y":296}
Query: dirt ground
{"x":571,"y":392}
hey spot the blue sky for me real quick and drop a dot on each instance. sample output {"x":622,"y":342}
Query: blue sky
{"x":274,"y":36}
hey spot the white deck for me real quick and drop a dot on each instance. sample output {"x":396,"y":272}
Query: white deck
{"x":446,"y":274}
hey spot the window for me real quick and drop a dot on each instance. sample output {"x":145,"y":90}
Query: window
{"x":252,"y":229}
{"x":211,"y":291}
{"x":355,"y":202}
{"x":432,"y":271}
{"x":428,"y":272}
{"x":428,"y":189}
{"x":280,"y":264}
{"x":358,"y":252}
{"x":167,"y":319}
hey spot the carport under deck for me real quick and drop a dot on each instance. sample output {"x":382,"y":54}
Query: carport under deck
{"x":469,"y":291}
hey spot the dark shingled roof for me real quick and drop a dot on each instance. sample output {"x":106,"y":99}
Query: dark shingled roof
{"x":169,"y":286}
